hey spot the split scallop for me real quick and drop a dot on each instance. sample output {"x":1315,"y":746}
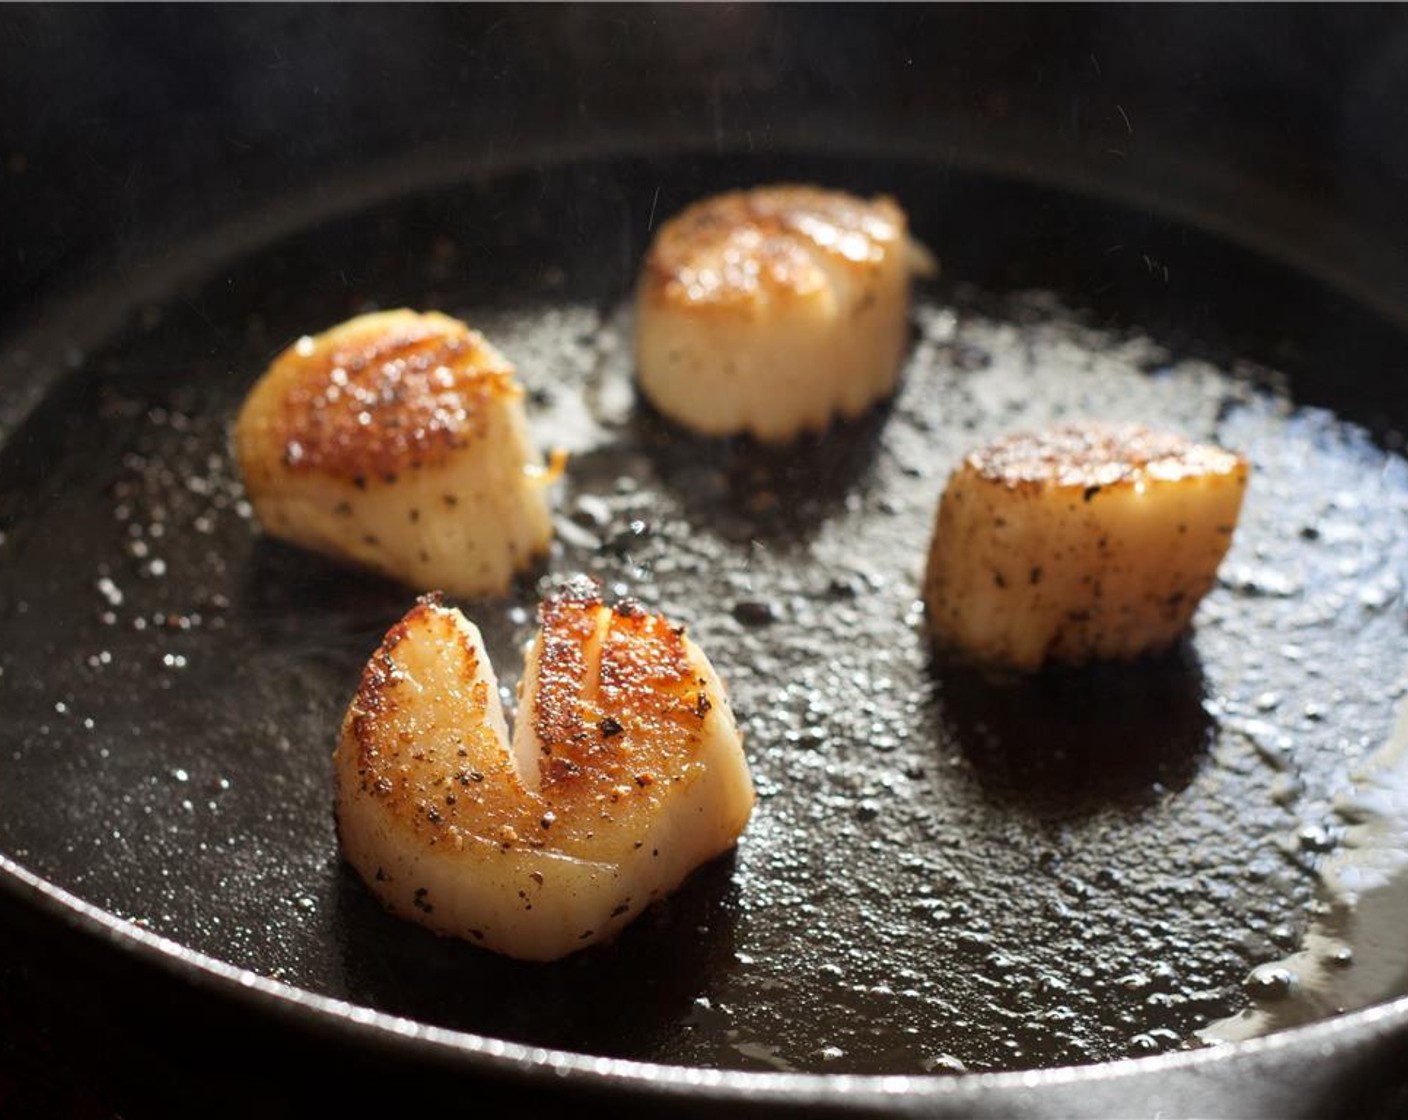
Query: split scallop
{"x":624,"y":774}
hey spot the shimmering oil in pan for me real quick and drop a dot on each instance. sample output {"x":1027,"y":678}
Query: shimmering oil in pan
{"x":945,"y":871}
{"x":1353,"y":953}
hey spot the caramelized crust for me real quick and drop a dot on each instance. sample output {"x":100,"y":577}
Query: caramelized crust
{"x":383,"y":394}
{"x":747,"y":247}
{"x":397,"y":441}
{"x":1081,"y":456}
{"x":611,"y":739}
{"x":570,"y":629}
{"x":399,"y":755}
{"x":638,"y":717}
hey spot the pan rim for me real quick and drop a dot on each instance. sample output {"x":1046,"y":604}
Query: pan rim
{"x":467,"y":1052}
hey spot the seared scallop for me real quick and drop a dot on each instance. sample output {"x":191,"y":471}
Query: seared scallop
{"x":624,"y":774}
{"x":775,"y":310}
{"x":397,"y":441}
{"x":1081,"y":543}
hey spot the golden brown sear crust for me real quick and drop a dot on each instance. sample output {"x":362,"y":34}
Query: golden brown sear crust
{"x":634,"y":719}
{"x":1081,"y":456}
{"x":452,"y":825}
{"x":570,"y":621}
{"x":607,"y":737}
{"x":742,"y":247}
{"x":374,"y":403}
{"x":394,"y":766}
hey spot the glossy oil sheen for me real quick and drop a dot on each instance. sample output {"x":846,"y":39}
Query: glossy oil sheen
{"x":945,"y":871}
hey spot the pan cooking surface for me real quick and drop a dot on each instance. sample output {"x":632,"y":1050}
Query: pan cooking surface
{"x":944,"y":871}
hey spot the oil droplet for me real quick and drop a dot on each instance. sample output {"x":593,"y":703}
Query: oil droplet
{"x":1283,"y":937}
{"x":753,"y":613}
{"x":1341,"y":956}
{"x":1270,"y":982}
{"x":1285,"y":788}
{"x":1314,"y":838}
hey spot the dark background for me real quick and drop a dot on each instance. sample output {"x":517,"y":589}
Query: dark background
{"x":124,"y":130}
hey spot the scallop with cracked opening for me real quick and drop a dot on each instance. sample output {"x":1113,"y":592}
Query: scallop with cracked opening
{"x":624,"y":774}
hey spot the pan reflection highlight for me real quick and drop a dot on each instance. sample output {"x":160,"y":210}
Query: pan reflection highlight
{"x":1065,"y":743}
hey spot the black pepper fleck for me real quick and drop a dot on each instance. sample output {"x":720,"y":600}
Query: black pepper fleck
{"x":750,"y":612}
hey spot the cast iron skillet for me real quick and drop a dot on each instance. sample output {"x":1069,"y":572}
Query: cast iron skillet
{"x":946,"y":871}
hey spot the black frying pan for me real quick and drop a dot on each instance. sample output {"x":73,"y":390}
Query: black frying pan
{"x":946,"y":872}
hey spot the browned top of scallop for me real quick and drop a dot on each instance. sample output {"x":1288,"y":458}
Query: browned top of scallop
{"x":1098,"y":455}
{"x":620,"y":703}
{"x":421,"y":740}
{"x":747,"y":246}
{"x":380,"y":394}
{"x":620,"y":710}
